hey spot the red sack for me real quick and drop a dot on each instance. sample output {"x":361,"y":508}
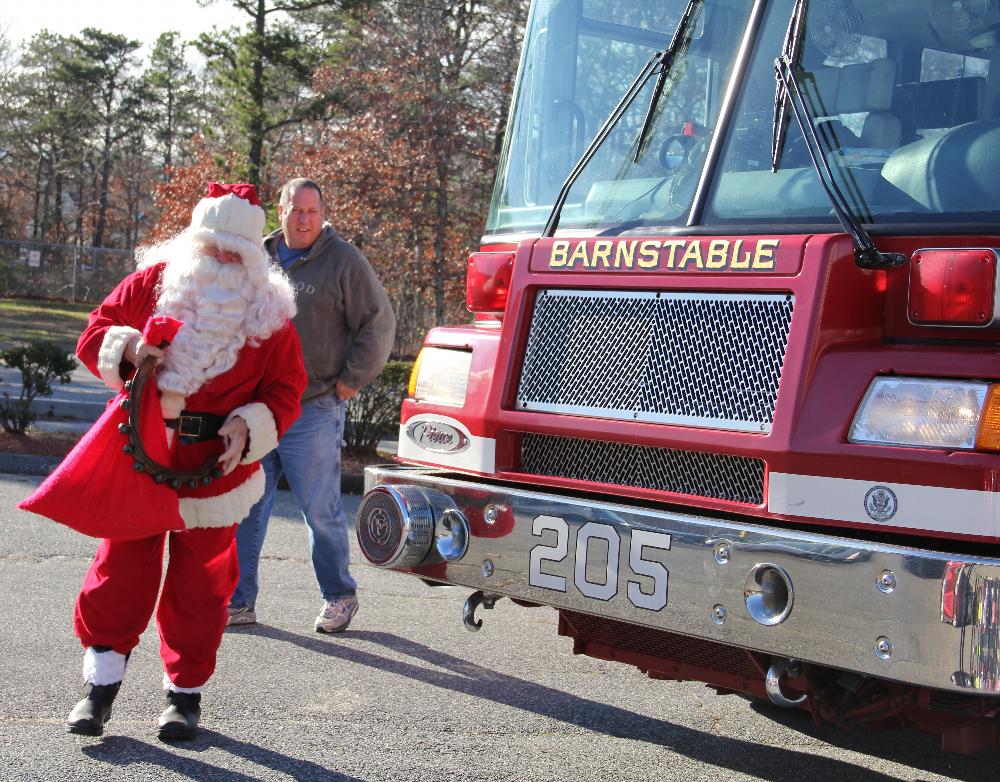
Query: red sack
{"x":96,"y":489}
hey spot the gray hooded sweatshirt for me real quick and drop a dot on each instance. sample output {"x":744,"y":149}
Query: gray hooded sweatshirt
{"x":345,"y":321}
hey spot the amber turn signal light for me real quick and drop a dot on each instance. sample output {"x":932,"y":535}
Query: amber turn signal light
{"x":988,"y":437}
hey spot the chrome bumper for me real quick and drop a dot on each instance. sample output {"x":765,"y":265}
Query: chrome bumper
{"x":904,"y":614}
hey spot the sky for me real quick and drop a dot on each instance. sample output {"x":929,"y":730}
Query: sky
{"x":141,"y":19}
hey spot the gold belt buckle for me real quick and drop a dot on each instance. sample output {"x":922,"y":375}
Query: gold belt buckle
{"x":189,"y":426}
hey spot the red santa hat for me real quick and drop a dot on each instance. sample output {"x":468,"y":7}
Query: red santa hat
{"x":230,"y":217}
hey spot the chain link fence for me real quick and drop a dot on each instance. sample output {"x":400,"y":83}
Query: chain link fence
{"x":61,"y":271}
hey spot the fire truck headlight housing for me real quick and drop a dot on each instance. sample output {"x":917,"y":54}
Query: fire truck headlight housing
{"x":953,"y":287}
{"x":440,"y":376}
{"x":487,"y":281}
{"x":920,"y":412}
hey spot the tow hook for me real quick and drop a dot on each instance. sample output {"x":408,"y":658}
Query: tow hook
{"x":478,"y":598}
{"x":772,"y":683}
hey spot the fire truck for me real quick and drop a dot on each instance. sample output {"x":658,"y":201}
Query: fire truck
{"x":729,"y":400}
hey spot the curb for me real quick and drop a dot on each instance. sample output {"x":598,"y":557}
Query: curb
{"x":41,"y":466}
{"x":28,"y":464}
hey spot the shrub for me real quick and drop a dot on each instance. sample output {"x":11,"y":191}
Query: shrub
{"x":374,"y":413}
{"x":40,"y":363}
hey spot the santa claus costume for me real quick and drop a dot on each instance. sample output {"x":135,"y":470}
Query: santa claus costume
{"x":235,"y":356}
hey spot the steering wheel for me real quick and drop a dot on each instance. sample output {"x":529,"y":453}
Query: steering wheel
{"x":674,"y":151}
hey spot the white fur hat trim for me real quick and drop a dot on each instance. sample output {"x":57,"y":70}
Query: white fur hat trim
{"x":228,"y":221}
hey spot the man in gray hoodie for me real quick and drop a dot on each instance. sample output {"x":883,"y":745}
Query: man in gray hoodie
{"x":346,"y":326}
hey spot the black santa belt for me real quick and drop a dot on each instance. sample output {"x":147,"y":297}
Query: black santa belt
{"x":193,"y":427}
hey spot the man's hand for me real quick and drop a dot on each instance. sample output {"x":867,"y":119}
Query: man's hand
{"x":344,"y":392}
{"x":234,"y":434}
{"x":138,"y":349}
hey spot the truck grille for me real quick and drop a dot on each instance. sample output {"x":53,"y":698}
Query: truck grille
{"x":695,"y":359}
{"x":720,"y":476}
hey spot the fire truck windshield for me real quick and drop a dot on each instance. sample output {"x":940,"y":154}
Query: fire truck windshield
{"x":904,"y":100}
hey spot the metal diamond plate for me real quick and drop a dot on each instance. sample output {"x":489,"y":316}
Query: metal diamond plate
{"x":720,"y":476}
{"x":697,"y":359}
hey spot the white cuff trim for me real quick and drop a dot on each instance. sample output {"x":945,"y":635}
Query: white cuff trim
{"x":225,"y":509}
{"x":169,"y":686}
{"x":116,"y":339}
{"x":263,"y":430}
{"x":103,"y":667}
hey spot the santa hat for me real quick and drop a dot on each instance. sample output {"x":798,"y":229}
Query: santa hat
{"x":231,"y":218}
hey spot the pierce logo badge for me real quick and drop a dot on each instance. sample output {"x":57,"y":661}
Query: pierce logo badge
{"x":881,"y":503}
{"x":380,"y":526}
{"x":437,"y":436}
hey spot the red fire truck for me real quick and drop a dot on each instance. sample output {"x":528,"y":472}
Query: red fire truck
{"x":730,"y":400}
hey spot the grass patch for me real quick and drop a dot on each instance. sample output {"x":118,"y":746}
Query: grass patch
{"x":27,"y":320}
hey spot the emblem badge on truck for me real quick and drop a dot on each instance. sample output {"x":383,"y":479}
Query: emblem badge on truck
{"x":880,"y":503}
{"x":437,"y":436}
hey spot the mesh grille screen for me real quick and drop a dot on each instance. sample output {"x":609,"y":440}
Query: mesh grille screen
{"x":722,"y":477}
{"x":700,"y":359}
{"x":380,"y":527}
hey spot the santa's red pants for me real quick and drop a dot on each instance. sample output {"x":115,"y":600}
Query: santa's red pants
{"x":119,"y":594}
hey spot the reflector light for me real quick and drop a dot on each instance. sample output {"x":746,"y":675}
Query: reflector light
{"x":988,"y":438}
{"x":948,"y":592}
{"x":953,"y":287}
{"x":487,"y":281}
{"x":411,"y":387}
{"x":954,"y":584}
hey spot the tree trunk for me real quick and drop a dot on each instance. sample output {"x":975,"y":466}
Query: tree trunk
{"x":255,"y":127}
{"x":36,"y":218}
{"x":102,"y":196}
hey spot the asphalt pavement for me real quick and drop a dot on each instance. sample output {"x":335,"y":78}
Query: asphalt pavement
{"x":407,"y":693}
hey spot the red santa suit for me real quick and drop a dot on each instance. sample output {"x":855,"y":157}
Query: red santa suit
{"x":264,"y":387}
{"x":237,"y":354}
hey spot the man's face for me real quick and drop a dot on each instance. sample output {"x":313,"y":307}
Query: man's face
{"x":302,"y":219}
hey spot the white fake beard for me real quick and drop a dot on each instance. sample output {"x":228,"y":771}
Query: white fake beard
{"x":212,"y":300}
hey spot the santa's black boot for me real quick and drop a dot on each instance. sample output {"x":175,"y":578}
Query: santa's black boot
{"x":90,"y":714}
{"x":103,"y":671}
{"x":179,"y":722}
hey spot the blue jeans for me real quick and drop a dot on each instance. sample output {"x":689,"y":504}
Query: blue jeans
{"x":309,"y":457}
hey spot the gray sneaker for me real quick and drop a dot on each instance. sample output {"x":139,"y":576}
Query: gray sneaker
{"x":241,"y":615}
{"x":336,"y":614}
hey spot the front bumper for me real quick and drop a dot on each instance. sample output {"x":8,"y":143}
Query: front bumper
{"x":909,"y":615}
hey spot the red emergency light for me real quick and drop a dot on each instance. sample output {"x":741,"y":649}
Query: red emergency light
{"x":953,"y":287}
{"x":487,"y":281}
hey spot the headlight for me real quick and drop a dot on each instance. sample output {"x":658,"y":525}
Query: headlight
{"x":920,"y":412}
{"x":440,"y":376}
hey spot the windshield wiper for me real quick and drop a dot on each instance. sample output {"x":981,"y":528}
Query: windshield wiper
{"x":663,"y":60}
{"x":788,"y":95}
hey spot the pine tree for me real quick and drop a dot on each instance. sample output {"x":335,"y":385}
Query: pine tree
{"x":105,"y":64}
{"x":265,"y":70}
{"x":169,"y":86}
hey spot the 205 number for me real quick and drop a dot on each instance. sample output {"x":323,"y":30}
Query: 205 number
{"x":641,"y":541}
